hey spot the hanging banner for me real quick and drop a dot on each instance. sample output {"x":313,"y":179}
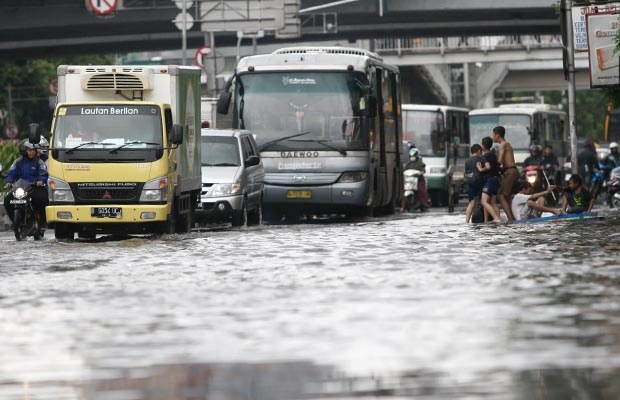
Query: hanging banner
{"x":579,"y":21}
{"x":602,"y":30}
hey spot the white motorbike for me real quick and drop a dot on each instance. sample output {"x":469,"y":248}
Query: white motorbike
{"x":410,"y":186}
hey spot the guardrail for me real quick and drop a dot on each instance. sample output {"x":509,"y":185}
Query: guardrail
{"x":467,"y":43}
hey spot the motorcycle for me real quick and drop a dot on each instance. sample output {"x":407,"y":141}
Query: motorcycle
{"x":539,"y":179}
{"x":613,"y":187}
{"x":531,"y":175}
{"x":410,"y":186}
{"x":26,"y":221}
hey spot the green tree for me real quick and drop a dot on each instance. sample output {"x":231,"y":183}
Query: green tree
{"x":29,"y":81}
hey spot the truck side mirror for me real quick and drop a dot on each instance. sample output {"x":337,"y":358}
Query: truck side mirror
{"x":176,"y":134}
{"x":223,"y":102}
{"x":34,"y":135}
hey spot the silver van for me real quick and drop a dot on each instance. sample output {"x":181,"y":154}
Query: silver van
{"x":232,"y":177}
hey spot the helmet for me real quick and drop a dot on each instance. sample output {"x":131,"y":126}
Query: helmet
{"x":534,"y":148}
{"x":25,"y":145}
{"x":613,"y":145}
{"x":42,"y":146}
{"x":413,"y":152}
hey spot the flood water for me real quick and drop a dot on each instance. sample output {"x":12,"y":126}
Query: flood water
{"x":421,"y":307}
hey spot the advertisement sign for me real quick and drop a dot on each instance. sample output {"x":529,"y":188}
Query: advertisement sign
{"x":604,"y":60}
{"x":579,"y":21}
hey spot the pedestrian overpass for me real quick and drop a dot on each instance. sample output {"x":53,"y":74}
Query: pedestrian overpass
{"x":471,"y":70}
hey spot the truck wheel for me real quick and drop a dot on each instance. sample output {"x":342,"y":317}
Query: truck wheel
{"x":63,"y":232}
{"x":240,"y":218}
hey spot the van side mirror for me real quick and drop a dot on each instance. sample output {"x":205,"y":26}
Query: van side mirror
{"x":372,"y":106}
{"x":176,"y":134}
{"x":252,"y":161}
{"x":34,"y":135}
{"x":223,"y":102}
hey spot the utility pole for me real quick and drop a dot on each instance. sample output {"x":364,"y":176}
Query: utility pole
{"x":570,"y":50}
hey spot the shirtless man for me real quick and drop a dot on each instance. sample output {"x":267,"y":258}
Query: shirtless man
{"x":506,"y":158}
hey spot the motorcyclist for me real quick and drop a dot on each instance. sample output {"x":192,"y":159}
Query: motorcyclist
{"x":534,"y":160}
{"x":415,"y":162}
{"x":42,"y":148}
{"x":30,"y":168}
{"x":551,"y":165}
{"x":612,"y":160}
{"x":587,"y":160}
{"x":535,"y":157}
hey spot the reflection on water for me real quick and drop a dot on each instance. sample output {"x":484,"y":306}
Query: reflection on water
{"x":400,"y":308}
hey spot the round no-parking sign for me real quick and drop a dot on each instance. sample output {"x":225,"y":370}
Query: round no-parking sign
{"x":202,"y":52}
{"x":11,"y":131}
{"x":102,"y":7}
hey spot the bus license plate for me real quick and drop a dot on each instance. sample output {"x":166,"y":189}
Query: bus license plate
{"x":299,"y":194}
{"x":106,"y":212}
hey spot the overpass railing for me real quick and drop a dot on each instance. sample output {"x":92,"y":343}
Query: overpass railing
{"x":466,"y":43}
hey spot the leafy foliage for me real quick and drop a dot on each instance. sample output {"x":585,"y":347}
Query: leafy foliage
{"x":9,"y":151}
{"x":29,"y":89}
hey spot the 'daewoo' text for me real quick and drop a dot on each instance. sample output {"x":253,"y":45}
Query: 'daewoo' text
{"x":299,"y":154}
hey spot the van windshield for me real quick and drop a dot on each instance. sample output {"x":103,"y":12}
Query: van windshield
{"x":220,"y":151}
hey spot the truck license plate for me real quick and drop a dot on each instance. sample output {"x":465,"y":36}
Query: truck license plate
{"x":106,"y":212}
{"x":299,"y":194}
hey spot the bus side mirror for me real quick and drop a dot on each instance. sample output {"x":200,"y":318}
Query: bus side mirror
{"x":176,"y":134}
{"x":34,"y":135}
{"x":372,"y":106}
{"x":223,"y":102}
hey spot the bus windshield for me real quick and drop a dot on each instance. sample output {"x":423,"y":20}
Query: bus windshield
{"x":425,"y":130}
{"x":518,"y":128}
{"x":306,"y":110}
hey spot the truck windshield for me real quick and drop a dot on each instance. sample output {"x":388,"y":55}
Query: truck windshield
{"x":219,"y":151}
{"x":326,"y":107}
{"x":425,"y":131}
{"x":86,"y":127}
{"x":518,"y":128}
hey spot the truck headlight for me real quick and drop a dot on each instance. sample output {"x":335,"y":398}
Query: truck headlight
{"x":59,"y":191}
{"x":225,"y":189}
{"x":155,"y":191}
{"x":349,"y":177}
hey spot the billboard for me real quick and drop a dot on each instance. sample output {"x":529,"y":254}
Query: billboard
{"x":602,"y":30}
{"x":579,"y":14}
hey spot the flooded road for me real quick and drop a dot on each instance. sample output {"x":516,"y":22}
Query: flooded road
{"x":422,"y":307}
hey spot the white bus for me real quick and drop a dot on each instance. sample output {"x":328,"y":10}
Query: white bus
{"x":441,"y":134}
{"x":327,"y":123}
{"x":525,"y":124}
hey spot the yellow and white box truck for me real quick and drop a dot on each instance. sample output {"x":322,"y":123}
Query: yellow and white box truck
{"x":124,"y":155}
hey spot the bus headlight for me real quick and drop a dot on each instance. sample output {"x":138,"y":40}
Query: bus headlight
{"x":349,"y":177}
{"x":59,"y":191}
{"x":155,"y":191}
{"x":225,"y":189}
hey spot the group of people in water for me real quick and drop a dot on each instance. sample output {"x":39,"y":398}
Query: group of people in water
{"x":493,"y":178}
